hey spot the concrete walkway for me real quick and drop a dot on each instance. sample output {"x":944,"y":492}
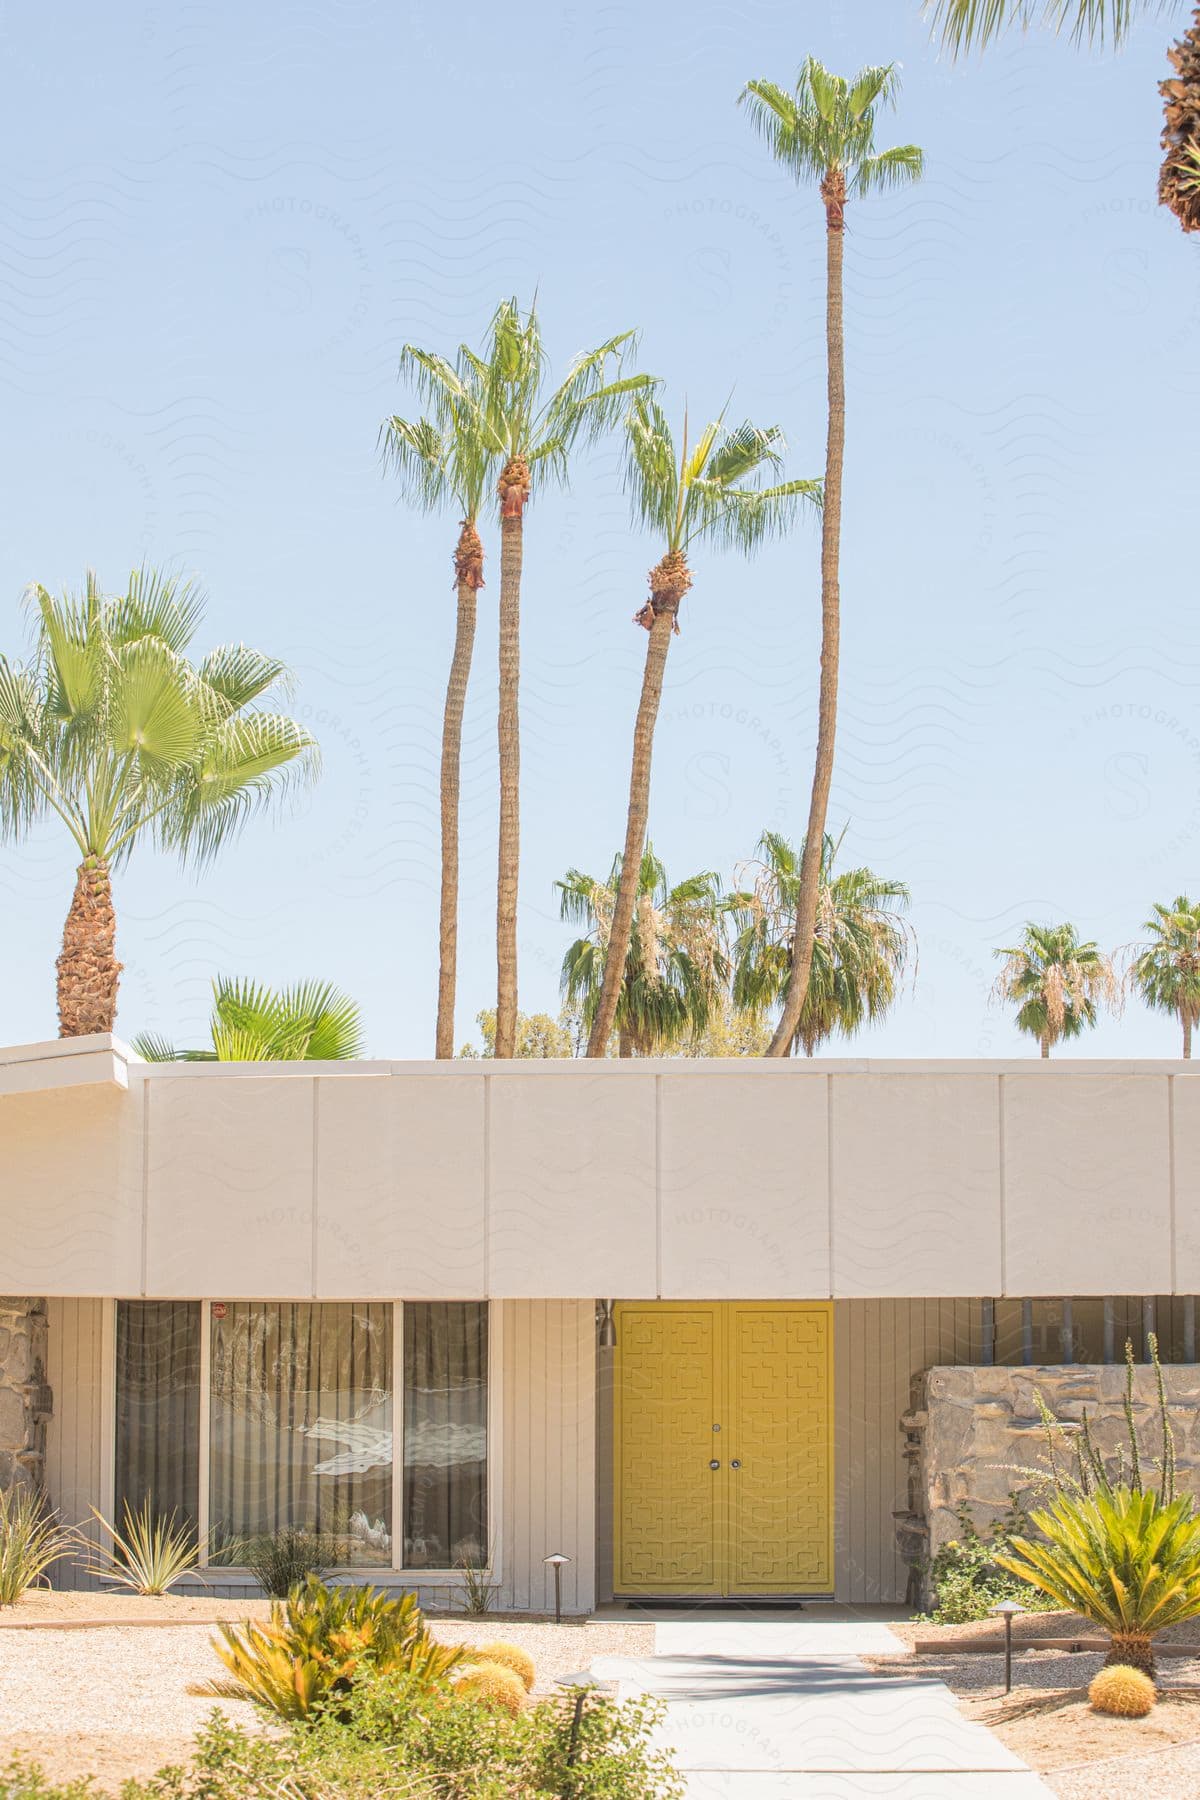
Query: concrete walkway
{"x":779,"y":1709}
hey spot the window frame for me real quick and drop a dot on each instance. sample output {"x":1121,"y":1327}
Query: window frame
{"x":394,"y":1571}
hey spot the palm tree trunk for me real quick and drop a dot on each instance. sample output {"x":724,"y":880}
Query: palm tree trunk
{"x":670,"y":580}
{"x":1187,"y":1034}
{"x":833,"y":192}
{"x":88,"y":970}
{"x":514,"y":492}
{"x":1046,"y":1047}
{"x":624,"y":1044}
{"x":468,"y":565}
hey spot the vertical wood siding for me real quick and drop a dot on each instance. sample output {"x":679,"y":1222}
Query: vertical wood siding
{"x":548,"y":1476}
{"x":75,"y":1474}
{"x":879,"y":1347}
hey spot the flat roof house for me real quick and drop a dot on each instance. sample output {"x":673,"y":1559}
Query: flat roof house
{"x":706,"y":1328}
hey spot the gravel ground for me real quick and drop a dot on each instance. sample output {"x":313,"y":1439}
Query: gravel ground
{"x":118,"y":1701}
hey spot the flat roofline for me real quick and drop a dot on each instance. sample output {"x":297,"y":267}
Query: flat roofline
{"x":99,"y":1060}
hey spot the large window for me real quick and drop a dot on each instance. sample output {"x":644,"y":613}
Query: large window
{"x":299,"y":1423}
{"x":445,"y":1435}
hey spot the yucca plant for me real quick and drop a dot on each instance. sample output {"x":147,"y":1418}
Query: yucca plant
{"x":148,"y":1554}
{"x":31,"y":1540}
{"x":319,"y":1638}
{"x":1125,"y":1559}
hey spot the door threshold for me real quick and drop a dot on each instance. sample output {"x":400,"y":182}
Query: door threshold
{"x":722,"y":1603}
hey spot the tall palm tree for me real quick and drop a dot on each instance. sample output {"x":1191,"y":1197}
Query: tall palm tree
{"x":310,"y":1022}
{"x":824,"y":131}
{"x":860,"y":944}
{"x":1058,"y":983}
{"x":110,"y":729}
{"x":1166,"y":971}
{"x":448,"y":459}
{"x":676,"y":965}
{"x":531,"y":431}
{"x":707,"y":493}
{"x":963,"y":24}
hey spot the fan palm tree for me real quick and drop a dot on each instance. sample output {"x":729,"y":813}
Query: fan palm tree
{"x":1057,"y":983}
{"x":1166,"y":971}
{"x":311,"y":1022}
{"x":110,"y":729}
{"x":824,"y":131}
{"x":860,"y":945}
{"x":963,"y":24}
{"x":707,"y":493}
{"x":448,"y":459}
{"x":676,"y":965}
{"x":532,"y":432}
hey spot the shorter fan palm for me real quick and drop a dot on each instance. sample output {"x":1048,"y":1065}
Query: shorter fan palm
{"x":1166,"y":971}
{"x":860,"y":945}
{"x":1058,"y":983}
{"x":310,"y":1022}
{"x":1125,"y":1559}
{"x":676,"y":965}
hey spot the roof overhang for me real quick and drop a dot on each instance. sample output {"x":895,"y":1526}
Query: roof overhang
{"x":97,"y":1061}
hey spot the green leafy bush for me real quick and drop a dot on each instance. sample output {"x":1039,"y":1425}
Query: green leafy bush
{"x":31,"y":1540}
{"x":968,"y":1580}
{"x":320,"y":1638}
{"x":279,"y":1560}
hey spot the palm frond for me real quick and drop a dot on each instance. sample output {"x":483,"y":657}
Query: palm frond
{"x":963,"y":25}
{"x":890,"y":169}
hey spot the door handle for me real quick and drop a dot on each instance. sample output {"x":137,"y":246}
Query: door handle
{"x":735,"y":1464}
{"x":714,"y":1464}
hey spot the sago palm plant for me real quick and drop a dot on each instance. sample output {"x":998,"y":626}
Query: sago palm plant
{"x":532,"y":430}
{"x":111,"y":730}
{"x":310,"y":1022}
{"x":860,"y":945}
{"x":1165,"y":972}
{"x":1126,"y":1559}
{"x":1057,"y":983}
{"x":962,"y":24}
{"x":448,"y":459}
{"x":823,"y":132}
{"x":711,"y":492}
{"x":676,"y":965}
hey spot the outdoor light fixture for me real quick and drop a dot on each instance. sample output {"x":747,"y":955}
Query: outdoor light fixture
{"x":581,"y":1684}
{"x":607,"y":1335}
{"x":557,"y":1562}
{"x":1007,"y":1610}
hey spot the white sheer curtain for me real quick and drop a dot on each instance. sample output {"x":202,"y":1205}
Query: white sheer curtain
{"x":301,"y":1421}
{"x":445,"y":1434}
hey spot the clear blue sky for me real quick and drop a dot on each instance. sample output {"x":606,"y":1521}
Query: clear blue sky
{"x":219,"y":224}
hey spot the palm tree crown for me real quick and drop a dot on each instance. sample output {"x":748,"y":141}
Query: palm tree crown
{"x":860,"y":945}
{"x":963,"y":24}
{"x":676,"y":966}
{"x":112,"y":730}
{"x":1057,"y":982}
{"x":310,"y":1022}
{"x":1166,"y":971}
{"x":824,"y":130}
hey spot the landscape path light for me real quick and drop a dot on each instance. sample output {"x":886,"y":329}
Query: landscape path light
{"x":557,"y":1563}
{"x":581,"y":1685}
{"x":1007,"y":1610}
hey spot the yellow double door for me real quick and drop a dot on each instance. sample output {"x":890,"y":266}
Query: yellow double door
{"x":723,"y":1448}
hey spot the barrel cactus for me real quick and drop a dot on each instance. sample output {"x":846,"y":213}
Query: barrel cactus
{"x":511,"y":1656}
{"x":1123,"y":1692}
{"x":493,"y":1686}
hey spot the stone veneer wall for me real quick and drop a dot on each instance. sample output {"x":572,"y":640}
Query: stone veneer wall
{"x":25,"y":1399}
{"x":971,"y":1431}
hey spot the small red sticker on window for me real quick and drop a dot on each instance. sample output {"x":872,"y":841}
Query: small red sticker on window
{"x":219,"y":1309}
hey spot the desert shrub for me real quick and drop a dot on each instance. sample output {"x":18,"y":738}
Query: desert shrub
{"x":279,"y":1560}
{"x":966,"y":1578}
{"x":320,"y":1638}
{"x":1125,"y":1693}
{"x":478,"y":1589}
{"x":148,"y":1554}
{"x":509,"y":1656}
{"x":489,"y":1684}
{"x":31,"y":1540}
{"x":469,"y":1751}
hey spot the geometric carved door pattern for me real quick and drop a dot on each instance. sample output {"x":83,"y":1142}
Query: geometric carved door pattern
{"x":761,"y":1521}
